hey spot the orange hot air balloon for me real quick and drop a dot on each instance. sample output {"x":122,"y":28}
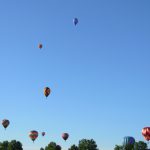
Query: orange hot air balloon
{"x":146,"y":133}
{"x":65,"y":136}
{"x":33,"y":135}
{"x":40,"y":45}
{"x":47,"y":91}
{"x":5,"y":123}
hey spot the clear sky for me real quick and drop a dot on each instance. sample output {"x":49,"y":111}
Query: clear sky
{"x":98,"y":71}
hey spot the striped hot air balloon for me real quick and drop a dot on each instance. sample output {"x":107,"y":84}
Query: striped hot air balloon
{"x":146,"y":133}
{"x":33,"y":135}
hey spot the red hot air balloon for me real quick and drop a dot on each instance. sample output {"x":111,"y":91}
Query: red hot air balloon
{"x":33,"y":135}
{"x":43,"y":133}
{"x":5,"y":123}
{"x":47,"y":91}
{"x":146,"y":133}
{"x":65,"y":136}
{"x":40,"y":45}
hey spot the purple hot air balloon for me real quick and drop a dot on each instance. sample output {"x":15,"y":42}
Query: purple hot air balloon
{"x":65,"y":136}
{"x":43,"y":133}
{"x":5,"y":123}
{"x":128,"y":140}
{"x":75,"y":21}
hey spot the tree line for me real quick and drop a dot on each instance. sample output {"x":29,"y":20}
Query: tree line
{"x":137,"y":146}
{"x":84,"y":144}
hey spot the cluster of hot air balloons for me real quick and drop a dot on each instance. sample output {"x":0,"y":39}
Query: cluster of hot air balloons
{"x":47,"y":90}
{"x":129,"y":140}
{"x":34,"y":134}
{"x":75,"y":22}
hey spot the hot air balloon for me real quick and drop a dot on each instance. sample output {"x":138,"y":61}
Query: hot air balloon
{"x":5,"y":123}
{"x":33,"y":135}
{"x":75,"y":21}
{"x":65,"y":136}
{"x":47,"y":91}
{"x":43,"y":133}
{"x":128,"y":140}
{"x":40,"y":45}
{"x":146,"y":133}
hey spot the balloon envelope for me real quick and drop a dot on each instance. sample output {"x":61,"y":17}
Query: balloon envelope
{"x":40,"y":45}
{"x":146,"y":133}
{"x":47,"y":91}
{"x":128,"y":140}
{"x":5,"y":123}
{"x":43,"y":133}
{"x":65,"y":136}
{"x":75,"y":21}
{"x":33,"y":135}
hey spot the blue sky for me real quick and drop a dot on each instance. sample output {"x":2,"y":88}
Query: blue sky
{"x":98,"y":71}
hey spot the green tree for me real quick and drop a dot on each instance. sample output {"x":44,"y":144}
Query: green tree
{"x":15,"y":145}
{"x":73,"y":147}
{"x":137,"y":146}
{"x":4,"y":145}
{"x":41,"y":148}
{"x":58,"y":147}
{"x":53,"y":146}
{"x":118,"y":147}
{"x":86,"y":144}
{"x":140,"y":145}
{"x":128,"y":147}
